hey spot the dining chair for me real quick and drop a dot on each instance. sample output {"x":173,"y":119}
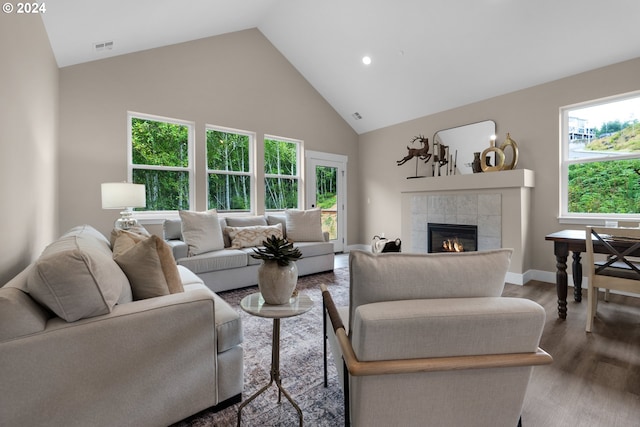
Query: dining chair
{"x":617,"y":270}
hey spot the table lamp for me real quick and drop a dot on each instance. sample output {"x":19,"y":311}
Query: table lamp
{"x":124,"y":196}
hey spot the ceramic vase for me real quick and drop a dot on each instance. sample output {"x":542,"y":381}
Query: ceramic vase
{"x":277,"y":283}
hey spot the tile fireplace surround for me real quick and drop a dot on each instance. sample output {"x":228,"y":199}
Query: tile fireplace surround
{"x":497,"y":202}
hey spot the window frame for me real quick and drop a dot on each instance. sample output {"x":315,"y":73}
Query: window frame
{"x":190,"y":169}
{"x":587,"y":218}
{"x":299,"y":170}
{"x":251,"y":173}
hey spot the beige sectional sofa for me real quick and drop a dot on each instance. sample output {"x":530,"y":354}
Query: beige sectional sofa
{"x":76,"y":349}
{"x":231,"y":268}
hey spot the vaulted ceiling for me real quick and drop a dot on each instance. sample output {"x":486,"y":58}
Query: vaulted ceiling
{"x":426,"y":56}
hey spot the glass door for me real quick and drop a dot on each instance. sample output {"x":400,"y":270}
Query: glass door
{"x":325,"y":190}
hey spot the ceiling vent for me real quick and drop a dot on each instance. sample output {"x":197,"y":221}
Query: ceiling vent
{"x":102,"y":46}
{"x":356,"y":116}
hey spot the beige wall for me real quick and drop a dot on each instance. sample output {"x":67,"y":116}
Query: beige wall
{"x":28,"y":141}
{"x":532,"y":118}
{"x":237,"y":80}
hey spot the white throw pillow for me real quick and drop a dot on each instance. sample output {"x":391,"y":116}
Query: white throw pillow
{"x":247,"y":237}
{"x":201,"y":231}
{"x":304,"y":226}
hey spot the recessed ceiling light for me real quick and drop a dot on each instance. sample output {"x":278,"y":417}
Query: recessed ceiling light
{"x":366,"y":60}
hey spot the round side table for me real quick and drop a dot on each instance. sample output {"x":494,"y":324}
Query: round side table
{"x":254,"y":304}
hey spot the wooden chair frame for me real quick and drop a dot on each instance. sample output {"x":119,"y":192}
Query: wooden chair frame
{"x":353,"y":366}
{"x":618,"y":271}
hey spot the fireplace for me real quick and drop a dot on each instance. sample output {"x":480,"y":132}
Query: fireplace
{"x":452,"y":237}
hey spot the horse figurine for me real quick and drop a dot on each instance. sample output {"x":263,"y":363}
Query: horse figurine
{"x":422,"y":153}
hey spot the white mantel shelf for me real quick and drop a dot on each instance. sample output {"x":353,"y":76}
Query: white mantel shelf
{"x":522,"y":178}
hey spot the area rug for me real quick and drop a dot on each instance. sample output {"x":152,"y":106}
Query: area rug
{"x":301,"y":363}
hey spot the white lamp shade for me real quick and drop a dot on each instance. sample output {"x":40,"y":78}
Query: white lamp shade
{"x":122,"y":195}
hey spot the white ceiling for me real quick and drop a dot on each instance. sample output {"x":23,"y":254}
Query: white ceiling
{"x":428,"y":55}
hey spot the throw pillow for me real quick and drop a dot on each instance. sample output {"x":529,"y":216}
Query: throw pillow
{"x":247,"y":237}
{"x":150,"y":267}
{"x":201,"y":231}
{"x":137,"y":230}
{"x":123,"y":240}
{"x":75,"y":279}
{"x":304,"y":226}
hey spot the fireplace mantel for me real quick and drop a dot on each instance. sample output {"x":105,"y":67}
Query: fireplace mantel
{"x":498,"y":202}
{"x":522,"y":178}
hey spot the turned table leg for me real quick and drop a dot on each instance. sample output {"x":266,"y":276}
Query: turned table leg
{"x":577,"y":277}
{"x":562,"y":252}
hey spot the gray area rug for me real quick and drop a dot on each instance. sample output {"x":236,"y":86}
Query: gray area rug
{"x":301,"y":363}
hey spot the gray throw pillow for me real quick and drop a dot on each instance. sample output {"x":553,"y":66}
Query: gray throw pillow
{"x":304,"y":226}
{"x":201,"y":231}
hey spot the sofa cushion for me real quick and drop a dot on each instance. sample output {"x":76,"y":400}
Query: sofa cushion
{"x":304,"y":226}
{"x":251,"y":236}
{"x":246,"y":221}
{"x":311,"y":249}
{"x":404,"y":276}
{"x":188,"y":277}
{"x":76,"y":276}
{"x":149,"y":265}
{"x":172,"y":229}
{"x":201,"y":231}
{"x":19,"y":314}
{"x":216,"y":260}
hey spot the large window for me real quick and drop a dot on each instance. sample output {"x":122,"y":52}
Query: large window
{"x":160,"y":158}
{"x":601,"y":158}
{"x":281,"y":173}
{"x":229,"y":169}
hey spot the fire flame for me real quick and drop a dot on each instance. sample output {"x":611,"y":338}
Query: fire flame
{"x":452,"y":245}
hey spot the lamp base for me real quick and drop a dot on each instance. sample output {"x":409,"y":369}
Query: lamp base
{"x":126,"y":221}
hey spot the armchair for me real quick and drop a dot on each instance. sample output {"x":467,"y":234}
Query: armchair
{"x":427,"y":339}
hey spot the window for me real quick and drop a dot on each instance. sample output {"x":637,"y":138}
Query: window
{"x":601,"y":158}
{"x":160,"y":157}
{"x":281,"y":173}
{"x":229,"y":169}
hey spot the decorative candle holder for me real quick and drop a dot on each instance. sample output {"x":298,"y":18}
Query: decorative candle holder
{"x":499,"y":162}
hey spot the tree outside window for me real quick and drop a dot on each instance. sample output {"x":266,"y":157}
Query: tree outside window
{"x":601,"y":158}
{"x":160,"y":158}
{"x":282,"y":174}
{"x":229,"y":170}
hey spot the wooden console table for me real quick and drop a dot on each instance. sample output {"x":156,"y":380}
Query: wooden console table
{"x":574,"y":241}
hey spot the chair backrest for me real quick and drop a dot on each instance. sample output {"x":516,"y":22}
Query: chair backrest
{"x":405,"y":276}
{"x":617,"y":269}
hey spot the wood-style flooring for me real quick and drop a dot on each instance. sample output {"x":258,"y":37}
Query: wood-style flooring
{"x":595,"y":377}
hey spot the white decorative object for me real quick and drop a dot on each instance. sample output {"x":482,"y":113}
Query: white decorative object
{"x":125,"y":196}
{"x":276,"y":282}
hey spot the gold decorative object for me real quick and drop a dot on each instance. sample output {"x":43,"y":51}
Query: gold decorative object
{"x":514,"y":147}
{"x":499,"y":157}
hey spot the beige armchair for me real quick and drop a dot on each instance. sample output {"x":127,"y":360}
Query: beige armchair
{"x":427,"y":339}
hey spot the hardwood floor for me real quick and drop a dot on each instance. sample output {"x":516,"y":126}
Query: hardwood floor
{"x":595,"y":377}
